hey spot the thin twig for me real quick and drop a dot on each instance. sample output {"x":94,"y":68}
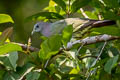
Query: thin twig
{"x":83,"y":13}
{"x":80,"y":58}
{"x":46,"y":63}
{"x":91,"y":72}
{"x":80,"y":49}
{"x":28,"y":70}
{"x":68,"y":13}
{"x":99,"y":54}
{"x":99,"y":17}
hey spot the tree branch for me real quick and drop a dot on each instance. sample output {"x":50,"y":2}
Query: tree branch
{"x":25,"y":47}
{"x":85,"y":41}
{"x":92,"y":40}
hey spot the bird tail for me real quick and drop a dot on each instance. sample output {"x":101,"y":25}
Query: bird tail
{"x":96,"y":24}
{"x":103,"y":23}
{"x":93,"y":24}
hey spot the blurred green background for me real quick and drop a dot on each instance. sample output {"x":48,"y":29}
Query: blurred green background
{"x":19,"y":10}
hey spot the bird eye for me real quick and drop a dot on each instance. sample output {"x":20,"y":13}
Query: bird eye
{"x":37,"y":26}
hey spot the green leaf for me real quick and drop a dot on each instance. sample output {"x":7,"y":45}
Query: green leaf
{"x":73,"y":77}
{"x":111,"y":30}
{"x":2,"y":72}
{"x":77,"y":4}
{"x":5,"y":61}
{"x":110,"y":15}
{"x":67,"y":34}
{"x":43,"y":75}
{"x":96,"y":4}
{"x":5,"y":18}
{"x":104,"y":75}
{"x":6,"y":34}
{"x":114,"y":50}
{"x":61,"y":3}
{"x":13,"y":57}
{"x":44,"y":50}
{"x":91,"y":15}
{"x":57,"y":8}
{"x":101,"y":62}
{"x":44,"y":15}
{"x":110,"y":3}
{"x":9,"y":60}
{"x":11,"y":76}
{"x":110,"y":63}
{"x":50,"y":47}
{"x":32,"y":76}
{"x":22,"y":71}
{"x":9,"y":47}
{"x":54,"y":42}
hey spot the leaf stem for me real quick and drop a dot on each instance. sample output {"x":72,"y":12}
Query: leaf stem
{"x":68,"y":13}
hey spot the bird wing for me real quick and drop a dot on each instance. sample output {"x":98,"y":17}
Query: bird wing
{"x":57,"y":26}
{"x":78,"y":24}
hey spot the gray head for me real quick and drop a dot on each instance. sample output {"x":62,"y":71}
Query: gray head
{"x":42,"y":27}
{"x":37,"y":27}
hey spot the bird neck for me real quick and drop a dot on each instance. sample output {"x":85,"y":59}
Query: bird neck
{"x":46,"y":29}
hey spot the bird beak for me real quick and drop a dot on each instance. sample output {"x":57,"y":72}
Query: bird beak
{"x":32,"y":32}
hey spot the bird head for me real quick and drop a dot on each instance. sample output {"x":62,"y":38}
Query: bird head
{"x":37,"y":27}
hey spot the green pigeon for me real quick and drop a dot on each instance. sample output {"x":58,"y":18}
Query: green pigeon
{"x":48,"y":29}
